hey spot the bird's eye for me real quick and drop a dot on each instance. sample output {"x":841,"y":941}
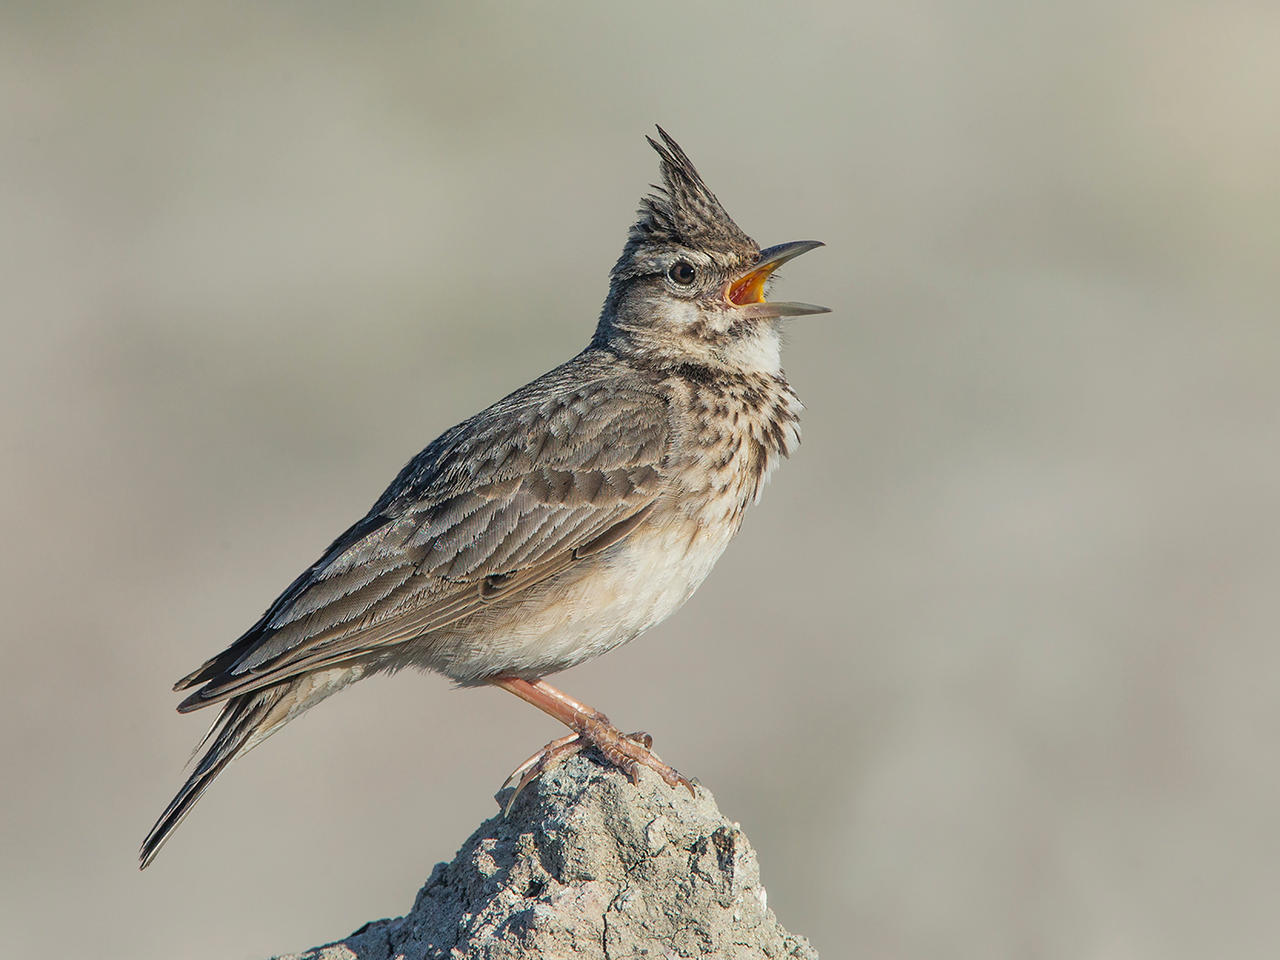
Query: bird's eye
{"x":681,"y":272}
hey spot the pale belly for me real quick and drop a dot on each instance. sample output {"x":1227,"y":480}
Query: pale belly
{"x":585,"y":611}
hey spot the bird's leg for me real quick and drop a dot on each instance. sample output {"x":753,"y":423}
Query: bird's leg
{"x":590,"y":728}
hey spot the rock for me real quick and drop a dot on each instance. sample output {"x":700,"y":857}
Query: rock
{"x":588,"y":865}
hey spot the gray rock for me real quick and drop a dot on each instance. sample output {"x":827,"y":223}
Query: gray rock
{"x":587,"y":865}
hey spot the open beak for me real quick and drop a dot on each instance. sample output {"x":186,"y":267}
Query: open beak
{"x":747,"y":291}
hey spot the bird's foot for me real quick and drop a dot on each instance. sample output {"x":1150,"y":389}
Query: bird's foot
{"x":630,"y":751}
{"x":626,"y":751}
{"x":549,"y":757}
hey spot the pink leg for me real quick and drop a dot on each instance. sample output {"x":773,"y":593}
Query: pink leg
{"x":591,"y":728}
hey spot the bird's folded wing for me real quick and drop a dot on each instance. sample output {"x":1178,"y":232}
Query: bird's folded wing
{"x":502,"y":502}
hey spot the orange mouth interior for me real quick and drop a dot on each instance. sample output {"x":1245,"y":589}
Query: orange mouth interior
{"x":749,"y":288}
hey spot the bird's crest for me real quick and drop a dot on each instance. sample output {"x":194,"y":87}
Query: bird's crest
{"x":682,"y":212}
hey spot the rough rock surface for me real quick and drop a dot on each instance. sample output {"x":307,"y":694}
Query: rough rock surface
{"x":587,"y":865}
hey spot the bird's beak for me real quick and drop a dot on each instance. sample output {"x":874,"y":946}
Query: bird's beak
{"x":747,"y":291}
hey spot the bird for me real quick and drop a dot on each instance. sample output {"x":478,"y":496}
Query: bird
{"x":562,"y":521}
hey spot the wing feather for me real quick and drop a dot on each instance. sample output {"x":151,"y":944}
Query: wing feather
{"x":544,"y":478}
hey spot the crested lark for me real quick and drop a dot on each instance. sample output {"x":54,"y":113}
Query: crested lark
{"x":567,"y":518}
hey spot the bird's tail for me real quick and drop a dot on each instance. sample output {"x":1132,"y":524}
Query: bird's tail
{"x":245,"y":722}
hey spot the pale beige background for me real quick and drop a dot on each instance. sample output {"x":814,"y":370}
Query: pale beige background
{"x":991,"y":672}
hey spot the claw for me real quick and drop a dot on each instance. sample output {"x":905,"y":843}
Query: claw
{"x":626,"y":752}
{"x":591,"y":728}
{"x":550,"y":756}
{"x":537,"y":758}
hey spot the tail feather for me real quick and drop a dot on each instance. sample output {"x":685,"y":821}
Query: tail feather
{"x":245,"y":721}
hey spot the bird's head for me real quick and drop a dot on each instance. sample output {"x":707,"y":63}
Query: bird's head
{"x":690,"y":285}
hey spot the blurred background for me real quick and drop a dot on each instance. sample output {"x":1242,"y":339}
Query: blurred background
{"x":990,"y":672}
